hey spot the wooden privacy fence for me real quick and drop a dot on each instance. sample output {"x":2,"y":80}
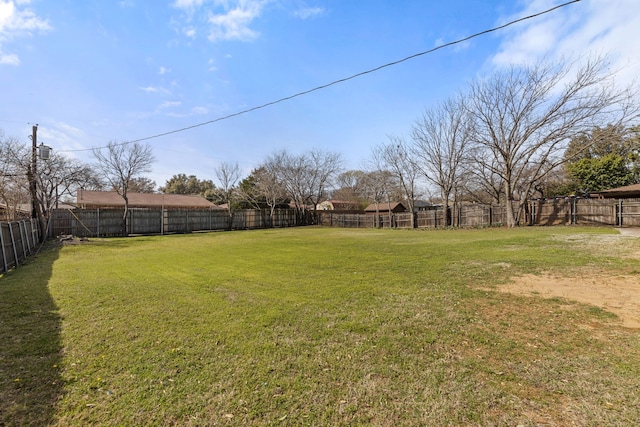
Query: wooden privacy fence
{"x":465,"y":216}
{"x":614,"y":212}
{"x":565,"y":211}
{"x":108,"y":222}
{"x":18,"y":239}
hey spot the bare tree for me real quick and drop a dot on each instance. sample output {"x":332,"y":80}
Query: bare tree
{"x":482,"y":184}
{"x":351,"y":188}
{"x":380,"y":186}
{"x":323,"y":168}
{"x":291,"y":171}
{"x":269,"y":185}
{"x":441,"y":137}
{"x":228,"y":175}
{"x":307,"y":177}
{"x":119,"y":164}
{"x":395,"y":157}
{"x":61,"y":176}
{"x":525,"y":118}
{"x":14,"y":186}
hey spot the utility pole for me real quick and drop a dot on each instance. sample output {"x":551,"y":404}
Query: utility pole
{"x":33,"y":186}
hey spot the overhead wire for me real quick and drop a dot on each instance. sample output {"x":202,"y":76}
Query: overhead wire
{"x":335,"y":82}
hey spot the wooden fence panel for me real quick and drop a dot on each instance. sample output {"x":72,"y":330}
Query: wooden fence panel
{"x":629,"y":213}
{"x":284,"y":218}
{"x":145,"y":221}
{"x":18,"y":240}
{"x":594,"y":212}
{"x":9,"y":257}
{"x":474,"y":215}
{"x":433,"y":218}
{"x":551,"y":211}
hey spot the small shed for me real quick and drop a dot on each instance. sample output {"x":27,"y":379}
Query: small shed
{"x":394,"y":207}
{"x":339,"y":205}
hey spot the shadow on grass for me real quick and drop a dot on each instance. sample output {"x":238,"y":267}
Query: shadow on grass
{"x":31,"y":349}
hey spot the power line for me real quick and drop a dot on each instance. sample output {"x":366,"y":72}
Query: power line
{"x":335,"y":82}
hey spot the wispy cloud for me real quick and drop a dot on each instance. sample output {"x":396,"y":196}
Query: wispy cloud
{"x":309,"y":12}
{"x":186,"y":4}
{"x":169,"y":104}
{"x":164,"y":70}
{"x":61,"y":135}
{"x":591,"y":27}
{"x":220,"y":19}
{"x":17,"y":21}
{"x":195,"y":111}
{"x":154,"y":89}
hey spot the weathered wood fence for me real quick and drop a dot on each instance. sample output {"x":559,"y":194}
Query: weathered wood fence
{"x":18,"y":239}
{"x":108,"y":222}
{"x":565,"y":211}
{"x":615,"y":212}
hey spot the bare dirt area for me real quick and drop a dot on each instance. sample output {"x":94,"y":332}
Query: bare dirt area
{"x":618,"y":294}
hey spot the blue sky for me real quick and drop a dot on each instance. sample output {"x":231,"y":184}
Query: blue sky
{"x":89,"y":72}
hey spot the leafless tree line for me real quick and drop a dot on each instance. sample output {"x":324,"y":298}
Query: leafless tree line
{"x":57,"y":179}
{"x":495,"y":142}
{"x":509,"y":132}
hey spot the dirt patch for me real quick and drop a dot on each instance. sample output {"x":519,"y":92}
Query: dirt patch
{"x":617,"y":294}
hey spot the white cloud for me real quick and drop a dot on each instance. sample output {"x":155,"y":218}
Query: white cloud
{"x":61,"y":136}
{"x":200,"y":110}
{"x":17,"y":21}
{"x":164,"y":70}
{"x":219,"y":19}
{"x":234,"y":24}
{"x":590,"y":27}
{"x":9,"y":59}
{"x":187,"y":4}
{"x":154,"y":89}
{"x":170,"y":104}
{"x":308,"y":12}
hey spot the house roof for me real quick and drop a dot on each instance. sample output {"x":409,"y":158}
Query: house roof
{"x":89,"y":199}
{"x":340,"y":204}
{"x":620,"y":192}
{"x":382,"y":207}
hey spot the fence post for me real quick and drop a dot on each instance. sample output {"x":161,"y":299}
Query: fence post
{"x":4,"y":254}
{"x":490,"y":214}
{"x":34,"y":230}
{"x":620,"y":213}
{"x":13,"y":244}
{"x":26,"y":237}
{"x":23,"y":233}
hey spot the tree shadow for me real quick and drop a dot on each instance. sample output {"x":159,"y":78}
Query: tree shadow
{"x":31,"y":349}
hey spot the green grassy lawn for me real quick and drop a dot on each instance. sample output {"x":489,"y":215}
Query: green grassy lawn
{"x":315,"y":326}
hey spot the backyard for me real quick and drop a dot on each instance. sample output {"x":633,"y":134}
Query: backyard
{"x":326,"y":326}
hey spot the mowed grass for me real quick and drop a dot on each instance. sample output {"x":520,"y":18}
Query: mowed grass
{"x":318,"y":327}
